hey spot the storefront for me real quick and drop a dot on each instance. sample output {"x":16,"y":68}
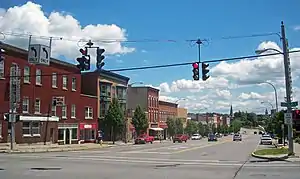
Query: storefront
{"x":164,"y":126}
{"x":155,"y":131}
{"x":88,"y":132}
{"x":68,"y":133}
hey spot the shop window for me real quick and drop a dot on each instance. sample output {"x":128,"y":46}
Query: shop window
{"x":74,"y":133}
{"x":31,"y":128}
{"x":61,"y":134}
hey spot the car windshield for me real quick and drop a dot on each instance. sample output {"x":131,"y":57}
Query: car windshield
{"x":266,"y":136}
{"x":195,"y":134}
{"x":236,"y":135}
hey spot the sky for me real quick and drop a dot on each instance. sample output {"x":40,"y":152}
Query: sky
{"x":136,"y":34}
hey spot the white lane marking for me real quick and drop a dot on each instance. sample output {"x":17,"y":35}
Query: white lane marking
{"x":126,"y":161}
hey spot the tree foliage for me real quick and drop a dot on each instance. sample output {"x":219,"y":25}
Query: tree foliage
{"x":178,"y":126}
{"x":139,"y":120}
{"x":114,"y":119}
{"x":191,"y":127}
{"x":171,"y":126}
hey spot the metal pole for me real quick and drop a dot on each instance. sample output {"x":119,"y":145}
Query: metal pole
{"x":276,"y":97}
{"x":199,"y":42}
{"x":288,"y":86}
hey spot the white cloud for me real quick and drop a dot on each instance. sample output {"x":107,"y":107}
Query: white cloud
{"x":239,"y":83}
{"x":30,"y":19}
{"x":297,"y":27}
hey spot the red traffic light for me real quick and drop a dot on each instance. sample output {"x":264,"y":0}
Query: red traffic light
{"x":195,"y":65}
{"x":83,"y":52}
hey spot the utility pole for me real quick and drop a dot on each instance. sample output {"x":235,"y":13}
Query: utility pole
{"x":288,"y":85}
{"x":14,"y":100}
{"x":199,"y":42}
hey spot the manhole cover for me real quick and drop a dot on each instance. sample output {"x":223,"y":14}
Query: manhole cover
{"x":45,"y":168}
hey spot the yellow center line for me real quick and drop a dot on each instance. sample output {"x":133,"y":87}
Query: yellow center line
{"x":199,"y":147}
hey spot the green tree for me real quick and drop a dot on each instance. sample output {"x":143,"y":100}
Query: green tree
{"x":178,"y":126}
{"x":236,"y":126}
{"x":191,"y":127}
{"x":139,"y":120}
{"x":171,"y":126}
{"x":114,"y":119}
{"x":201,"y":129}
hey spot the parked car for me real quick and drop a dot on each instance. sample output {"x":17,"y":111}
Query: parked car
{"x":212,"y":137}
{"x":237,"y":137}
{"x":196,"y":137}
{"x":266,"y":139}
{"x":143,"y":139}
{"x":180,"y":138}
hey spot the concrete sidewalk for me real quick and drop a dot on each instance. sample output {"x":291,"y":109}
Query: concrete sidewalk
{"x":49,"y":148}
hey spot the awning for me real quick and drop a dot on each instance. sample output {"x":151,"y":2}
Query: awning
{"x":39,"y":118}
{"x":157,"y":129}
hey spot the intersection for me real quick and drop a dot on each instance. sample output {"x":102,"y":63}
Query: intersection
{"x":194,"y":159}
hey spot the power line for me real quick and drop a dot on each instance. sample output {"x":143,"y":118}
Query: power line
{"x":145,"y":40}
{"x":165,"y":66}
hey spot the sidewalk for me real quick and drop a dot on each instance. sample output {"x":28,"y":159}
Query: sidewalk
{"x":5,"y":148}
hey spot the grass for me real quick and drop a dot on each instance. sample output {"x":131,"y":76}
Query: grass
{"x":273,"y":151}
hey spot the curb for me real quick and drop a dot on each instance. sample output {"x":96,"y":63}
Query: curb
{"x":282,"y":157}
{"x":50,"y":150}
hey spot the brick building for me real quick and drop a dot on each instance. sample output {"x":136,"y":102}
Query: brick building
{"x":106,"y":86}
{"x":147,"y":98}
{"x":39,"y":120}
{"x":182,"y":114}
{"x":166,"y":110}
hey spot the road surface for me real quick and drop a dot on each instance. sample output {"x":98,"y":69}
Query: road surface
{"x":224,"y":159}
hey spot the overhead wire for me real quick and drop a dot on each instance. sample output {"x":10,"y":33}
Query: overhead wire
{"x":165,"y":65}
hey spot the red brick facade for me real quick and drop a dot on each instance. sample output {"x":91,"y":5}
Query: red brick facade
{"x":58,"y":79}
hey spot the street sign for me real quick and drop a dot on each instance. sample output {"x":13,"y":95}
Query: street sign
{"x":288,"y":118}
{"x":39,"y":54}
{"x":293,"y":104}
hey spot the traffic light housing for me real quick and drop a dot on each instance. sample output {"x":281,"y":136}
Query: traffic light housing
{"x":100,"y":58}
{"x":195,"y":71}
{"x":205,"y":70}
{"x":84,"y":61}
{"x":2,"y":54}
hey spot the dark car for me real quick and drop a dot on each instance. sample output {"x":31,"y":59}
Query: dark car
{"x":212,"y":137}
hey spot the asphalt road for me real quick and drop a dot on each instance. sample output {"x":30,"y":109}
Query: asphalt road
{"x":195,"y":159}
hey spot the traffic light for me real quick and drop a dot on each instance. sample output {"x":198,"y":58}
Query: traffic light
{"x":84,"y":61}
{"x":1,"y":54}
{"x":100,"y":58}
{"x":196,"y":71}
{"x":205,"y":71}
{"x":6,"y":117}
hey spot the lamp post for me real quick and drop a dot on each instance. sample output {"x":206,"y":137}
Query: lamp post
{"x":264,"y":102}
{"x":275,"y":93}
{"x":288,"y":84}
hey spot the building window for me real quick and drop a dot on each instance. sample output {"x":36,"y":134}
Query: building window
{"x":65,"y":82}
{"x":2,"y":69}
{"x":37,"y":106}
{"x":25,"y":105}
{"x":31,"y":128}
{"x":73,"y":111}
{"x":88,"y":112}
{"x":38,"y":78}
{"x":53,"y":110}
{"x":26,"y":74}
{"x":104,"y":107}
{"x":73,"y":84}
{"x":64,"y":112}
{"x":54,"y":80}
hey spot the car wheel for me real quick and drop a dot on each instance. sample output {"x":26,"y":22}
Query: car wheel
{"x":173,"y":141}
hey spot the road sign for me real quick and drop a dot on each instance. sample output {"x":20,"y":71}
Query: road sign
{"x":39,"y":54}
{"x":293,"y":104}
{"x":288,"y":118}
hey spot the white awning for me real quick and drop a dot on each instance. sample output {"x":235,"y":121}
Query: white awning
{"x":157,"y":129}
{"x":39,"y":118}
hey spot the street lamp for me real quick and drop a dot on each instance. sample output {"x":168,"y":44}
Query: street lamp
{"x":275,"y":93}
{"x":138,"y":82}
{"x":264,"y":102}
{"x":258,"y":52}
{"x":181,"y":99}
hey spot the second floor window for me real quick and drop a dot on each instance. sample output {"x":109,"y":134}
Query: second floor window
{"x":38,"y":78}
{"x":26,"y":74}
{"x":37,"y":106}
{"x":73,"y":111}
{"x":64,"y":111}
{"x":65,"y":82}
{"x":53,"y":110}
{"x":25,"y":105}
{"x":88,"y":112}
{"x":74,"y":84}
{"x":54,"y":80}
{"x":2,"y":69}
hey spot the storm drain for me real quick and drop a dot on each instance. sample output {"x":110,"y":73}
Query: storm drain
{"x":45,"y":168}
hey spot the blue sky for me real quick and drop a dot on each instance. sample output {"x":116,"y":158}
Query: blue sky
{"x":180,"y":21}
